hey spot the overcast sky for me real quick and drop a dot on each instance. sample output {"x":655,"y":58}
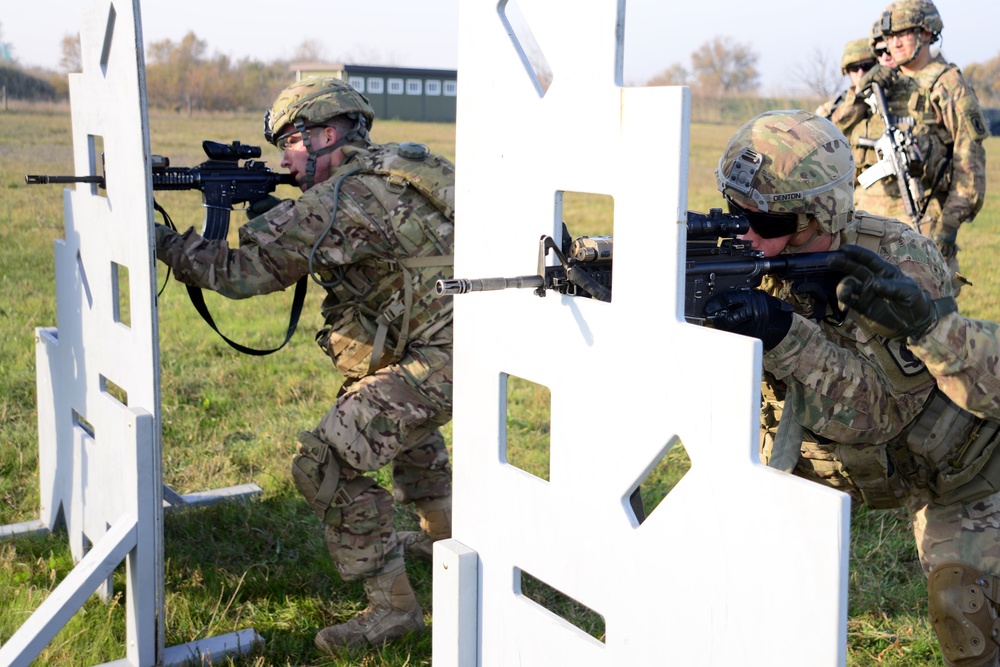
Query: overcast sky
{"x":424,"y":33}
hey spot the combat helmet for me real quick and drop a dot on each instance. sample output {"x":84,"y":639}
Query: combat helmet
{"x":856,"y":51}
{"x":905,"y":14}
{"x":790,"y":162}
{"x":314,"y":101}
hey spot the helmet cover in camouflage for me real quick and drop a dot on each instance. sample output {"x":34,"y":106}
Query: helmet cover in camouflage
{"x":791,"y":162}
{"x":905,"y":14}
{"x":315,"y":100}
{"x":855,"y":51}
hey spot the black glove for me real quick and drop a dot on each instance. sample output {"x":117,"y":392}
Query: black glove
{"x":883,"y":76}
{"x":945,"y":239}
{"x":262,"y":206}
{"x":891,"y":304}
{"x":751,"y":313}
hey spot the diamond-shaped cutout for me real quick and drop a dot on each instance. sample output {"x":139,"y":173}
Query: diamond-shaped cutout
{"x":661,"y":478}
{"x":527,"y":46}
{"x":560,"y":604}
{"x":528,"y":410}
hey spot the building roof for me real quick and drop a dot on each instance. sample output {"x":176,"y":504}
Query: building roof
{"x":373,"y":69}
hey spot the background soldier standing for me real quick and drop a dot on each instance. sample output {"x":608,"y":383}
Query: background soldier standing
{"x":846,"y":406}
{"x":933,"y":100}
{"x":855,"y":62}
{"x":375,"y":227}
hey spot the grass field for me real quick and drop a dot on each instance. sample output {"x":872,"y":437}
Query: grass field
{"x":230,"y":419}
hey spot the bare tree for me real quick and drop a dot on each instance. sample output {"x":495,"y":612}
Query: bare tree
{"x":985,"y":79}
{"x":820,"y":74}
{"x":72,"y":59}
{"x":723,"y":66}
{"x":675,"y":75}
{"x":310,"y":51}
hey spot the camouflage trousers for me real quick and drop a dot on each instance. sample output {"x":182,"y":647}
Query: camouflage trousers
{"x":966,"y":532}
{"x":390,"y":417}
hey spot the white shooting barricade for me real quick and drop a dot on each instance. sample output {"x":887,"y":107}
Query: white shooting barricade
{"x":739,"y":563}
{"x":98,"y":370}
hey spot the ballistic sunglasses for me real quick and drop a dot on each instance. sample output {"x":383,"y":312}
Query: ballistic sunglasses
{"x":766,"y":225}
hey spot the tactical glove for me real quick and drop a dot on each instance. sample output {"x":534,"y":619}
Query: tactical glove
{"x":890,"y":303}
{"x":262,"y":206}
{"x":883,"y":76}
{"x":945,"y":238}
{"x":751,"y":313}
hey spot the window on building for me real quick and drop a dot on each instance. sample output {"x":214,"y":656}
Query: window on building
{"x":450,"y":88}
{"x":414,"y":86}
{"x":375,"y":85}
{"x":357,"y":83}
{"x":432,"y":87}
{"x":395,"y":86}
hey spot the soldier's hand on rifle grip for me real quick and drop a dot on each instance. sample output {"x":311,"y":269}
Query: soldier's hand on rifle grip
{"x":883,"y":76}
{"x":751,"y":313}
{"x":889,"y":302}
{"x":262,"y":206}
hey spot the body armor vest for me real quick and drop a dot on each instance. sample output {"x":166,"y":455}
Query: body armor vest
{"x":945,"y":448}
{"x":380,"y":305}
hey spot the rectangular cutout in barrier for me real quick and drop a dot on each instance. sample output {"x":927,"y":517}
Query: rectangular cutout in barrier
{"x":586,"y":213}
{"x":555,"y":601}
{"x":120,"y":296}
{"x":95,"y":160}
{"x":114,"y":391}
{"x":81,"y":421}
{"x":528,"y":411}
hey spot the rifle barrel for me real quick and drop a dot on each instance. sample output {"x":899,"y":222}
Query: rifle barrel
{"x":466,"y":285}
{"x":38,"y":179}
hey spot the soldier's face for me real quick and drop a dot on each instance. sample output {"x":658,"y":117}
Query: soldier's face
{"x":883,"y":55}
{"x":295,"y":155}
{"x":902,"y":45}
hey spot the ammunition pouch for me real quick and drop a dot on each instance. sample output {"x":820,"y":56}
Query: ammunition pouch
{"x":316,"y":473}
{"x":960,"y":449}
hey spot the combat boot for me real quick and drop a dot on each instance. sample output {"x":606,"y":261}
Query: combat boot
{"x":435,"y":524}
{"x":392,"y":612}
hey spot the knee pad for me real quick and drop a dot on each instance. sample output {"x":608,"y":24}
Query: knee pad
{"x":316,"y":474}
{"x":435,"y":517}
{"x":963,"y":613}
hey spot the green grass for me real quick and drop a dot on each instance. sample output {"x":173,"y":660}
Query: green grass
{"x":230,"y":419}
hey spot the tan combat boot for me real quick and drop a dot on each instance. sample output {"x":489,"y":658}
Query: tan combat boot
{"x":392,"y":612}
{"x":435,"y":524}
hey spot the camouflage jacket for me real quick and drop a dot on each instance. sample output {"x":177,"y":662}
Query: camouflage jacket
{"x":964,"y":356}
{"x":366,"y":240}
{"x":948,"y":128}
{"x":853,"y":386}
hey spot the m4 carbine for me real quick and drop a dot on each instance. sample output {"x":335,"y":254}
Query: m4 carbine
{"x":717,"y":261}
{"x":222,"y":180}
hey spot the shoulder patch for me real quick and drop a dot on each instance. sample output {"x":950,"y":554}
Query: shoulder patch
{"x":908,"y":364}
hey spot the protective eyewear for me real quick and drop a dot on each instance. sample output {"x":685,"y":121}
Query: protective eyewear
{"x":861,"y":67}
{"x":879,"y":52}
{"x":293,"y":138}
{"x":766,"y":225}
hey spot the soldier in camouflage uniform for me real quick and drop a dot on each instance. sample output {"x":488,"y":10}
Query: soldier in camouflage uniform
{"x":962,"y":354}
{"x":375,"y":227}
{"x":846,"y":406}
{"x":933,"y":100}
{"x":878,"y":46}
{"x":855,"y":62}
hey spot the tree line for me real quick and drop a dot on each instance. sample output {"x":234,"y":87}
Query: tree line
{"x":184,"y":75}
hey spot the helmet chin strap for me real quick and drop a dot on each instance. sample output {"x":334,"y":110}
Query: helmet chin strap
{"x":310,"y":176}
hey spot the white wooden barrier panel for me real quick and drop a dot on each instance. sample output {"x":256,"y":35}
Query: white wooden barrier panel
{"x":98,"y":370}
{"x":739,"y":564}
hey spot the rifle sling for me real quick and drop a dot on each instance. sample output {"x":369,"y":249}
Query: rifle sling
{"x":298,"y":299}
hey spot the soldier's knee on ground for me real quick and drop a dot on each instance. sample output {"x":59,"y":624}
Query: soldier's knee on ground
{"x":962,"y":605}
